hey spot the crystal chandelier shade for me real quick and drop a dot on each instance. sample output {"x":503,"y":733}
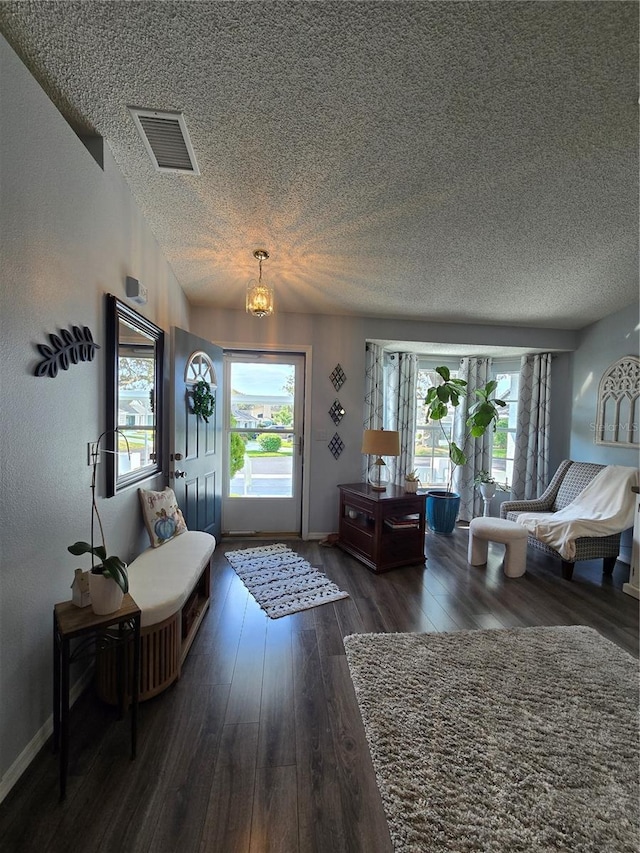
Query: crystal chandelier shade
{"x":259,"y":294}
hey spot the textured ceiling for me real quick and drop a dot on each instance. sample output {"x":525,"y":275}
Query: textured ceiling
{"x":471,"y":162}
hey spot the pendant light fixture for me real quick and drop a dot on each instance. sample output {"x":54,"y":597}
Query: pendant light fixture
{"x":259,"y":294}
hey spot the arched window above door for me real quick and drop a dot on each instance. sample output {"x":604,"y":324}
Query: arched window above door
{"x":200,"y":368}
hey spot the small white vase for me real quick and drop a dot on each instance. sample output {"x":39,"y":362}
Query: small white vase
{"x":487,"y":490}
{"x":106,"y":595}
{"x":411,"y":486}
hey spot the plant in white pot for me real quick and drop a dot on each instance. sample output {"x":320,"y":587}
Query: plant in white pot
{"x":108,"y":579}
{"x":411,"y":482}
{"x":443,"y":505}
{"x":486,"y":484}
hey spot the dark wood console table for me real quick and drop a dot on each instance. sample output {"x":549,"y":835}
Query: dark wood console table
{"x":93,"y":633}
{"x":384,"y":530}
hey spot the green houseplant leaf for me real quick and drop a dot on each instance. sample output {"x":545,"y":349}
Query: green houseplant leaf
{"x":113,"y":567}
{"x":483,"y":414}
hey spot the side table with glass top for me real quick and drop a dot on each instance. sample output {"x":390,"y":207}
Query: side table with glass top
{"x":92,"y":633}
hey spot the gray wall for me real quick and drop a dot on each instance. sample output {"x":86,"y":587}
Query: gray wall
{"x":70,"y":232}
{"x":342,"y":339}
{"x":600,"y":345}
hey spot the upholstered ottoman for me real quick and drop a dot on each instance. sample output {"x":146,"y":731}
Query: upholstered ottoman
{"x":513,"y":536}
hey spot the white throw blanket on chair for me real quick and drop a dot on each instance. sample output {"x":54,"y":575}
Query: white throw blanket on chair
{"x":604,"y":507}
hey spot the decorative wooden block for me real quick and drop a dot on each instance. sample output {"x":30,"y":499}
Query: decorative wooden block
{"x":80,"y":594}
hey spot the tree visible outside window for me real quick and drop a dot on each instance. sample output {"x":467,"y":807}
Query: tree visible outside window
{"x":237,"y":448}
{"x":431,"y":459}
{"x":136,"y":421}
{"x":431,"y":451}
{"x":504,"y":438}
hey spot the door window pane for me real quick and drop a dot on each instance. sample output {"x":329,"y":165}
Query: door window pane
{"x":261,"y":447}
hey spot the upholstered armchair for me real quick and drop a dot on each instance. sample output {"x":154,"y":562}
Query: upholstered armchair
{"x":567,"y":483}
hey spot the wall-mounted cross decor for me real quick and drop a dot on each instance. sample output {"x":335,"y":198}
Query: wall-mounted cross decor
{"x":69,"y":347}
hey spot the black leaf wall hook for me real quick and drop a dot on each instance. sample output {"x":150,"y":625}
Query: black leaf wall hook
{"x":69,"y":347}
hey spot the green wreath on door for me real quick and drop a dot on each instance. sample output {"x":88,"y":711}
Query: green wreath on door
{"x":203,"y":400}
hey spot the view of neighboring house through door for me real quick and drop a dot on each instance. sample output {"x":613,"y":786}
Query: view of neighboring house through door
{"x":263,"y":425}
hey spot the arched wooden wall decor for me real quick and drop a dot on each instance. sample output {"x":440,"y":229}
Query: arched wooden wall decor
{"x":69,"y":347}
{"x":200,"y":368}
{"x":618,"y":393}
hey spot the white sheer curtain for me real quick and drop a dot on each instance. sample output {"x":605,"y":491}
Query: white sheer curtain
{"x":373,"y":394}
{"x":531,"y":459}
{"x":390,"y":402}
{"x":476,"y":372}
{"x":400,"y":386}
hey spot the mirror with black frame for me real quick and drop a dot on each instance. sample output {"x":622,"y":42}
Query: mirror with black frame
{"x":134,"y":397}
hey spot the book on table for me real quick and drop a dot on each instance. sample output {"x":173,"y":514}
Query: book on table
{"x":403,"y":522}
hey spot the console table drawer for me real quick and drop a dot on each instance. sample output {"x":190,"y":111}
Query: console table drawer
{"x":359,"y":538}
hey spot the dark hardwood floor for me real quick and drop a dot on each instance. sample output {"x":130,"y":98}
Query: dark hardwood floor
{"x":260,"y":746}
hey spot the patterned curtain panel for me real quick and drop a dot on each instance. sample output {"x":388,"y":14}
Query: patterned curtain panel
{"x":476,"y":373}
{"x":400,"y":387}
{"x":373,"y":394}
{"x":531,"y":459}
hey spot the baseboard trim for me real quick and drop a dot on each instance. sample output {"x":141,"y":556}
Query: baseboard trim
{"x":36,"y":743}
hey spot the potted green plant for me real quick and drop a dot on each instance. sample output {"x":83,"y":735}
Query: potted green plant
{"x":411,"y":481}
{"x":486,"y":484}
{"x":108,"y":579}
{"x":443,"y":505}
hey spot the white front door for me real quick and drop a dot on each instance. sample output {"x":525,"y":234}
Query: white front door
{"x":264,"y":406}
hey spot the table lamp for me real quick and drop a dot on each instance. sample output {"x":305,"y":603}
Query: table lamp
{"x":379,"y":443}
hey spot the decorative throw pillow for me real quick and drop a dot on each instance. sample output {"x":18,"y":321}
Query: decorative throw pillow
{"x":162,"y":517}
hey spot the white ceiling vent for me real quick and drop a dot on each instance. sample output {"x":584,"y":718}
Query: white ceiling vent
{"x":166,"y":139}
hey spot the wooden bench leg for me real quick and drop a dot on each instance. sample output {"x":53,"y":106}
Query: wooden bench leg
{"x":567,"y":570}
{"x":608,"y":565}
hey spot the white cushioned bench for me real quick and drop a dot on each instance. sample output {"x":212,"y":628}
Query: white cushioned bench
{"x":171,"y":586}
{"x":161,"y":579}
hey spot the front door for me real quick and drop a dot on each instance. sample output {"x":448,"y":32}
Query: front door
{"x":264,"y":406}
{"x":195,"y":462}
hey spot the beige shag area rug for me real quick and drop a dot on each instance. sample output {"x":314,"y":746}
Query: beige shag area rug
{"x":521,"y":740}
{"x":281,"y":581}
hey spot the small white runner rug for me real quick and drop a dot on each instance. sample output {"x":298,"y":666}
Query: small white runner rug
{"x":281,"y":581}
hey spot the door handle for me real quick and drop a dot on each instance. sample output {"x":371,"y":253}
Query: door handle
{"x":177,"y":474}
